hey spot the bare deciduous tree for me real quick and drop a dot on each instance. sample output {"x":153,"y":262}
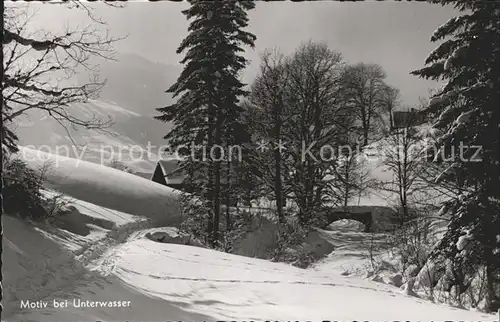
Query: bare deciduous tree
{"x":40,"y":68}
{"x":317,"y":127}
{"x":389,"y":100}
{"x":268,"y":98}
{"x":404,"y":157}
{"x":37,"y":69}
{"x":364,"y":88}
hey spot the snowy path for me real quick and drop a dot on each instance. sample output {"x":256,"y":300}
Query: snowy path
{"x":352,"y":248}
{"x":225,"y":286}
{"x":39,"y":264}
{"x":173,"y":282}
{"x":69,"y":281}
{"x":98,"y":289}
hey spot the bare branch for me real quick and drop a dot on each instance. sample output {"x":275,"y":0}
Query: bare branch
{"x":39,"y":68}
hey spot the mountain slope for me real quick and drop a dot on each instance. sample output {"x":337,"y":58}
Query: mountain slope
{"x":138,"y":84}
{"x":135,"y":88}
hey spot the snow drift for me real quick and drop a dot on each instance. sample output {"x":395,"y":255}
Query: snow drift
{"x":106,"y":187}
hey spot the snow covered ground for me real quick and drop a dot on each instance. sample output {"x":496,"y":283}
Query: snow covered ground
{"x":159,"y":282}
{"x":351,"y":256}
{"x":117,"y":217}
{"x":165,"y":282}
{"x":154,"y":281}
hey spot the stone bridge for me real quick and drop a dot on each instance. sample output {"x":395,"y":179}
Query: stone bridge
{"x":374,"y":218}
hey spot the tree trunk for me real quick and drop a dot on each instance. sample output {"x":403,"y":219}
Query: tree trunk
{"x":278,"y":180}
{"x":210,"y":186}
{"x":228,"y":197}
{"x":347,"y":186}
{"x":217,"y":203}
{"x":365,"y":135}
{"x":217,"y":181}
{"x":310,"y":180}
{"x":391,"y":121}
{"x":492,"y":282}
{"x":278,"y":185}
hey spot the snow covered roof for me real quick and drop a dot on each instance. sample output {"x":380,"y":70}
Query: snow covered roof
{"x":168,"y":166}
{"x":170,"y":171}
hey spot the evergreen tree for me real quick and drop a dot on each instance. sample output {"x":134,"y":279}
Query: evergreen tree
{"x":467,"y":114}
{"x":208,"y":91}
{"x":236,"y":177}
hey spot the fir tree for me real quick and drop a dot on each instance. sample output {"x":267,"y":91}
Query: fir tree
{"x":208,"y":92}
{"x":467,"y":114}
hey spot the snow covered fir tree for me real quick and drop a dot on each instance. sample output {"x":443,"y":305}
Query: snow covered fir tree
{"x":207,"y":110}
{"x":467,"y":113}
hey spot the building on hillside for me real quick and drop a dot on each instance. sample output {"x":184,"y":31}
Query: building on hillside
{"x":404,"y":119}
{"x":168,"y":174}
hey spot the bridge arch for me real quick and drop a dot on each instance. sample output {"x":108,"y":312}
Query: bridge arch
{"x":365,"y":218}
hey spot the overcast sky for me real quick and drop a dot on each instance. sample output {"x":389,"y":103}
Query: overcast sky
{"x":393,"y":34}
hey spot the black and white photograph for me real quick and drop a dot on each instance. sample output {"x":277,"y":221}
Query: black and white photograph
{"x":203,"y":161}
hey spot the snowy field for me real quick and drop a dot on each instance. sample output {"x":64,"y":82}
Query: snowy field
{"x":165,"y":281}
